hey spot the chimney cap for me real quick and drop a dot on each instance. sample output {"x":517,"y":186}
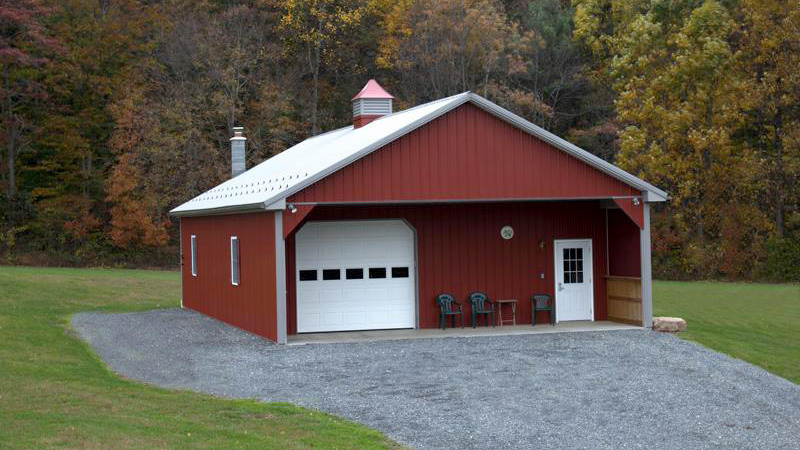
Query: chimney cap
{"x":372,"y":90}
{"x":238,"y":133}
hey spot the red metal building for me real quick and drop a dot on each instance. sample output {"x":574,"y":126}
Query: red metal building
{"x":360,"y":228}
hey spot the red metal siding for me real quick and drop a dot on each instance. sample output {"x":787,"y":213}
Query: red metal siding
{"x":634,"y":210}
{"x":465,"y":154}
{"x":624,"y":257}
{"x":292,"y":219}
{"x":252,"y":304}
{"x":459,"y":249}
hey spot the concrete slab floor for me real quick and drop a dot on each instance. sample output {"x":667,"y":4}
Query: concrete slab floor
{"x":429,"y":333}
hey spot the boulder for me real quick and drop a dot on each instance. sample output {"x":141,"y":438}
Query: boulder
{"x":669,"y":324}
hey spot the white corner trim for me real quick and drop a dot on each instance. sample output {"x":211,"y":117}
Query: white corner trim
{"x":280,"y":279}
{"x":646,"y":269}
{"x":182,"y":256}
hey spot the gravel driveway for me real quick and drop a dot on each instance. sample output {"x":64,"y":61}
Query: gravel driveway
{"x":596,"y":390}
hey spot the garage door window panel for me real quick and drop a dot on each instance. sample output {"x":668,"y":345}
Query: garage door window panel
{"x":377,"y":272}
{"x":399,"y":272}
{"x":308,"y":275}
{"x":354,"y":274}
{"x":331,"y":274}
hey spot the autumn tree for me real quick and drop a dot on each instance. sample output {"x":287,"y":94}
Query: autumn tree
{"x":24,"y":48}
{"x":114,"y":112}
{"x":316,"y":31}
{"x":209,"y":71}
{"x":672,"y":66}
{"x":441,"y":48}
{"x":768,"y":58}
{"x":553,"y":79}
{"x":69,"y":154}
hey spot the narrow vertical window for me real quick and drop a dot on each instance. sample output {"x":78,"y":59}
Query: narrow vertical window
{"x":234,"y":260}
{"x":194,"y":255}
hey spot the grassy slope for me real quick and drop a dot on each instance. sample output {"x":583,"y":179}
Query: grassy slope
{"x":54,"y":392}
{"x":759,"y":323}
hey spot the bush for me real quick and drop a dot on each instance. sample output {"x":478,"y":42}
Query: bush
{"x":782,"y":262}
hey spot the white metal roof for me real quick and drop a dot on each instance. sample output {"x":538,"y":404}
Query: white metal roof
{"x":267,"y":184}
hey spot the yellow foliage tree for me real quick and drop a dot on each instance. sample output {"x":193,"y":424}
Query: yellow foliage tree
{"x":673,"y":68}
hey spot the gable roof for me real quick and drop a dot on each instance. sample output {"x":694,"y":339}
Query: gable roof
{"x":264,"y":186}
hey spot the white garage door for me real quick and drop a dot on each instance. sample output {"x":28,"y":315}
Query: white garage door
{"x":355,"y":276}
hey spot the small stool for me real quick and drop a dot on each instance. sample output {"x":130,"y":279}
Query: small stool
{"x":513,"y":319}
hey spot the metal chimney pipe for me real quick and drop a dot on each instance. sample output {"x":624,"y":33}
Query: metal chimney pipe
{"x":238,"y":164}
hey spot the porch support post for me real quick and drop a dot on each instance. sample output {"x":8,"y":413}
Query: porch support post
{"x":646,"y":269}
{"x":280,"y":278}
{"x":183,"y":266}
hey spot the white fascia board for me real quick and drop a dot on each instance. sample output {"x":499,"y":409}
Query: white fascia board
{"x":276,"y":206}
{"x":253,"y":207}
{"x":652,"y":197}
{"x":654,"y":194}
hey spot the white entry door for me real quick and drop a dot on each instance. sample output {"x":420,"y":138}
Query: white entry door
{"x":355,"y":275}
{"x":574,"y":285}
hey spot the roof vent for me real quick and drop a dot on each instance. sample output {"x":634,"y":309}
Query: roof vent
{"x":370,"y":103}
{"x":238,"y":164}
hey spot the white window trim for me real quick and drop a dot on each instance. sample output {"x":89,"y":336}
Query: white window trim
{"x":235,"y":264}
{"x":193,"y":252}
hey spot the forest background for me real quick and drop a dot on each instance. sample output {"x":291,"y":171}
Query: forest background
{"x":114,"y":111}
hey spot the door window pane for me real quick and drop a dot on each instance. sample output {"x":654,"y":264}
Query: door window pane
{"x":573,"y":265}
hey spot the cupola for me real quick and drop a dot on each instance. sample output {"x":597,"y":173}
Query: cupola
{"x":371,"y":102}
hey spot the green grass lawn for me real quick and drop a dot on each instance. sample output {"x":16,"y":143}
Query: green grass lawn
{"x":759,"y":323}
{"x":55,"y":393}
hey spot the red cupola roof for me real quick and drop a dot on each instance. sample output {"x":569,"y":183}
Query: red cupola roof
{"x":372,"y":90}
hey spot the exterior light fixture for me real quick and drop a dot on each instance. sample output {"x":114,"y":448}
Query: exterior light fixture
{"x":292,"y":209}
{"x":541,"y":245}
{"x":635,"y":201}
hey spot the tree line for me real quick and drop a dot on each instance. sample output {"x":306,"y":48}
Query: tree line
{"x":115,"y":111}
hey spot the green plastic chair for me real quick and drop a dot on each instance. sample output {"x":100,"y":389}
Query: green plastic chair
{"x":542,"y":302}
{"x":481,"y":305}
{"x":448,"y":306}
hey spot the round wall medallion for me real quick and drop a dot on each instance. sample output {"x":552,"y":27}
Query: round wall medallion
{"x":507,"y":232}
